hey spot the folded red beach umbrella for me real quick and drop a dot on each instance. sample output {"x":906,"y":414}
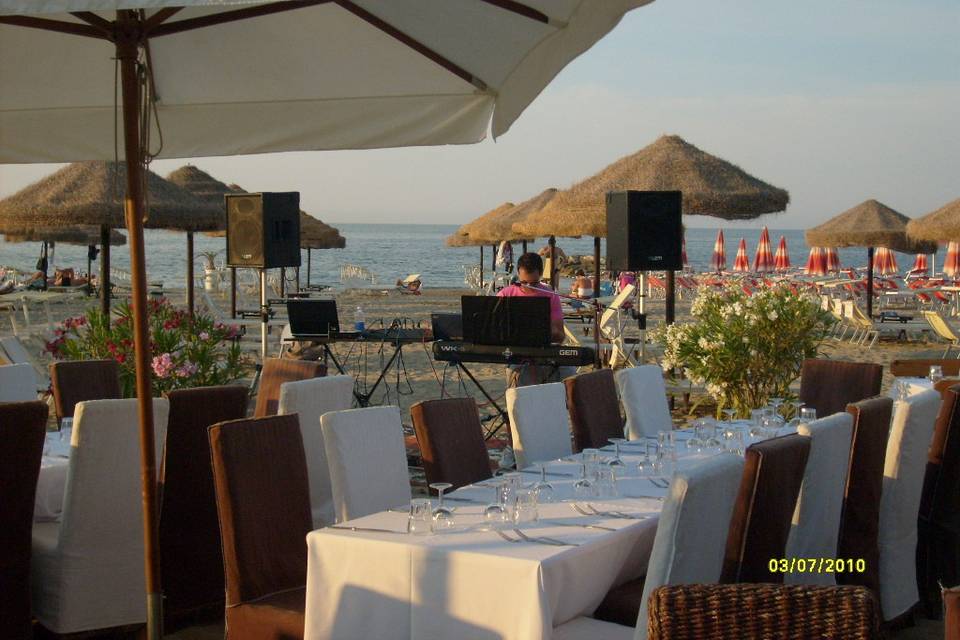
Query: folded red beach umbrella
{"x":951,"y":264}
{"x":832,"y":258}
{"x":741,"y":262}
{"x":718,"y":262}
{"x":920,"y":264}
{"x":763,"y":260}
{"x":884,"y":262}
{"x":781,"y":261}
{"x":683,"y":253}
{"x":816,"y":262}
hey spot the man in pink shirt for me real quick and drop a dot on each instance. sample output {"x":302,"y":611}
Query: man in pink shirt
{"x":529,"y":272}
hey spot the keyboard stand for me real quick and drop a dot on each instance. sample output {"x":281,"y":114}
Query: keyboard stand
{"x":501,"y":418}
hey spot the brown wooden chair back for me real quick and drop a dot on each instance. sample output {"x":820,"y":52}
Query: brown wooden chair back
{"x":594,"y":409}
{"x":76,"y":381}
{"x":275,"y":372}
{"x":830,"y":385}
{"x":451,"y":441}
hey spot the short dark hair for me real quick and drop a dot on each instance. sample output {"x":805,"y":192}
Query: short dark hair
{"x":530,"y":262}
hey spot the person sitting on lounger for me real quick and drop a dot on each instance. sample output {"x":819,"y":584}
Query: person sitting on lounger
{"x":410,"y":285}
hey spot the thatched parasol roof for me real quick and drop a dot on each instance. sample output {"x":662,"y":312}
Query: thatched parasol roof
{"x":711,"y":186}
{"x":942,"y":225}
{"x":476,"y":233}
{"x":91,"y":193}
{"x":314,"y":233}
{"x":869,"y":224}
{"x":205,"y":187}
{"x":81,"y":235}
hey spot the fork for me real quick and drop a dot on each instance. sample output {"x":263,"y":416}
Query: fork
{"x":544,"y":540}
{"x":506,"y":537}
{"x":615,"y":514}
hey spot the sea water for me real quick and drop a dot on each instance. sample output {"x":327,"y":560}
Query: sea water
{"x":393,"y":251}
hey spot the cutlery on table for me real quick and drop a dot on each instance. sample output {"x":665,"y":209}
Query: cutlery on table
{"x":370,"y":529}
{"x":549,"y":473}
{"x":544,"y":540}
{"x":554,"y":523}
{"x":505,"y":536}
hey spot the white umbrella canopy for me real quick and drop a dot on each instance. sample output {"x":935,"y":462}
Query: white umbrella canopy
{"x":226,"y":77}
{"x":324,"y":75}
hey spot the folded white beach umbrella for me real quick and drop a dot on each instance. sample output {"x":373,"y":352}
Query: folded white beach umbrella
{"x":79,"y":78}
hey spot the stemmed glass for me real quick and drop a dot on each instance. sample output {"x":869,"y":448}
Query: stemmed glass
{"x":616,"y":463}
{"x":442,"y":515}
{"x":797,"y":406}
{"x":776,"y":403}
{"x":645,"y":466}
{"x":936,"y":373}
{"x":696,"y":442}
{"x":712,"y":441}
{"x":756,"y":422}
{"x":495,"y":513}
{"x":583,"y":487}
{"x":728,"y":414}
{"x":544,"y":489}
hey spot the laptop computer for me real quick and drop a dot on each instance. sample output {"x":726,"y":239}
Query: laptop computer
{"x":313,"y":318}
{"x":447,"y":326}
{"x":506,"y":321}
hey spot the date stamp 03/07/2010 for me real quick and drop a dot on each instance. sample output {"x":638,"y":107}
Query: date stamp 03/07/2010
{"x":817,"y":565}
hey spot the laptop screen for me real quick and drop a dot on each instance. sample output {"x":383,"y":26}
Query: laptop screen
{"x":313,"y":317}
{"x":508,"y":321}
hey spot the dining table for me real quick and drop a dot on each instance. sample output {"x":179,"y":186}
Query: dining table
{"x":369,"y":578}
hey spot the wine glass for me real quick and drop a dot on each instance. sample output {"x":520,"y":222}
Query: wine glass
{"x":936,"y":373}
{"x":584,"y":487}
{"x":776,"y":403}
{"x":645,"y":466}
{"x":495,"y":513}
{"x":696,"y":441}
{"x":618,"y":465}
{"x":712,"y":441}
{"x":728,"y":414}
{"x":797,"y":406}
{"x":442,"y":515}
{"x":756,"y":423}
{"x":545,"y":490}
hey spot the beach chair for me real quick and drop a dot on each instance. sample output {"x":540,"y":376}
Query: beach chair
{"x":943,"y":329}
{"x":16,"y":353}
{"x":864,"y":328}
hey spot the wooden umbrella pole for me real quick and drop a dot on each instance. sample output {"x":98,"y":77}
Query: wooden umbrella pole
{"x":309,"y":251}
{"x":524,"y":246}
{"x":553,"y":262}
{"x":190,"y":273}
{"x":233,"y":292}
{"x":481,"y":267}
{"x":870,"y":282}
{"x":596,"y":266}
{"x":127,"y":49}
{"x":105,"y":270}
{"x":671,"y":297}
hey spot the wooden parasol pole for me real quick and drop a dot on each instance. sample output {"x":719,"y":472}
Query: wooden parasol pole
{"x":105,"y":270}
{"x":190,"y":273}
{"x":127,"y":42}
{"x":670,"y":296}
{"x":870,"y":282}
{"x":596,"y":266}
{"x":481,"y":267}
{"x":553,"y":262}
{"x":309,"y":251}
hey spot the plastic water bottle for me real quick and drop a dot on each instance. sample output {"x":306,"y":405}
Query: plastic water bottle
{"x":359,"y":319}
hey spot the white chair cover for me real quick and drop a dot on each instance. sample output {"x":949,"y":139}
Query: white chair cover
{"x":911,"y":430}
{"x":816,"y":520}
{"x":644,"y":398}
{"x":18,"y":383}
{"x":310,"y":399}
{"x":690,"y":542}
{"x":367,"y":459}
{"x":539,"y":422}
{"x":87,"y":569}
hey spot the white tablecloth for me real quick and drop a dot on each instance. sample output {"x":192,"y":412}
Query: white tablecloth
{"x":52,"y":480}
{"x":913,"y":385}
{"x":470,"y":584}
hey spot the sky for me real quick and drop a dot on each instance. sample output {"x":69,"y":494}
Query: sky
{"x":835,"y":101}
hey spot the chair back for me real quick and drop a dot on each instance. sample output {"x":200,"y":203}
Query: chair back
{"x":689,"y":545}
{"x":772,"y":475}
{"x":451,"y":441}
{"x":860,"y":519}
{"x":79,"y":380}
{"x":275,"y":372}
{"x":191,"y":563}
{"x":101,"y":530}
{"x":263,"y":504}
{"x":310,"y":399}
{"x":911,"y":431}
{"x":22,"y":428}
{"x":763,"y":612}
{"x":594,"y":409}
{"x":18,"y":383}
{"x":938,"y":549}
{"x":539,"y":423}
{"x":644,"y":397}
{"x":816,"y":519}
{"x":920,"y":367}
{"x":940,"y":326}
{"x":367,"y":459}
{"x":951,"y":608}
{"x":830,"y":385}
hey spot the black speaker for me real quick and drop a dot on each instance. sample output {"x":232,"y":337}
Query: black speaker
{"x":263,"y":229}
{"x":644,"y":231}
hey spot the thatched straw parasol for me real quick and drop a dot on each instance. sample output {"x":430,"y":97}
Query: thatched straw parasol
{"x":91,"y":193}
{"x":316,"y":234}
{"x":482,"y":230}
{"x":711,"y":186}
{"x":869,"y":224}
{"x":942,"y":225}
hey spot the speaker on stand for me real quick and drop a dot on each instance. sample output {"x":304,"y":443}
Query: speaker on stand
{"x":645,"y":233}
{"x":263,"y":232}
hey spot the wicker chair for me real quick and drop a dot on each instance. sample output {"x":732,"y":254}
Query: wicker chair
{"x":767,"y":611}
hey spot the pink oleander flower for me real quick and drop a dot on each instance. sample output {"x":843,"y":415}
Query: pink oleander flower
{"x":162,"y":365}
{"x":186,"y":370}
{"x":204,"y":335}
